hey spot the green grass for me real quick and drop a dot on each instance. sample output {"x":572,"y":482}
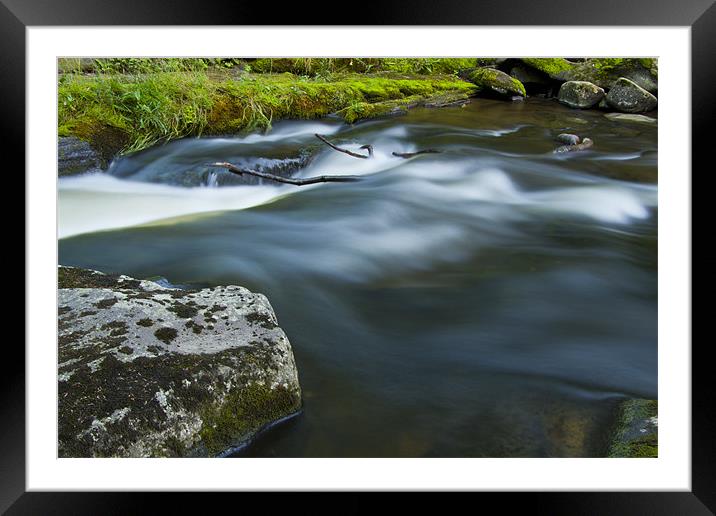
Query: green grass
{"x":310,"y":66}
{"x":122,"y":113}
{"x":127,"y":113}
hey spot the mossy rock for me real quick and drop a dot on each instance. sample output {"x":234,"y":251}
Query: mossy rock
{"x":142,"y":375}
{"x":105,"y":139}
{"x":604,"y":72}
{"x":369,"y":110}
{"x":628,"y":97}
{"x":495,"y":81}
{"x":580,"y":94}
{"x":554,"y":67}
{"x":636,"y":432}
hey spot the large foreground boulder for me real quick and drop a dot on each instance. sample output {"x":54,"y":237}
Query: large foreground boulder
{"x":150,"y":371}
{"x":580,"y":94}
{"x":629,"y":97}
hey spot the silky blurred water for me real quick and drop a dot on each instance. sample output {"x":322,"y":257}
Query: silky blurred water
{"x":495,"y":299}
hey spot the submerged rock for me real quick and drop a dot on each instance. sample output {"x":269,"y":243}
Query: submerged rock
{"x":150,"y":371}
{"x":585,"y":144}
{"x":625,"y":117}
{"x":569,"y":139}
{"x":636,"y":431}
{"x":580,"y":94}
{"x":75,"y":156}
{"x":629,"y":97}
{"x":497,"y":82}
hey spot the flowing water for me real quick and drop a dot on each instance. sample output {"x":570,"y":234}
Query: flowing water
{"x":495,"y":299}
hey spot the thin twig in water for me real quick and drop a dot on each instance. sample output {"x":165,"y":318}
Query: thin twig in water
{"x":407,"y":155}
{"x":287,"y":180}
{"x":369,"y":148}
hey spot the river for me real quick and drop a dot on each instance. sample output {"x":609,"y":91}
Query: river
{"x":493,"y":300}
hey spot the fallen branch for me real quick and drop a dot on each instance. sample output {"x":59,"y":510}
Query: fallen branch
{"x":287,"y":180}
{"x":369,"y":148}
{"x":407,"y":155}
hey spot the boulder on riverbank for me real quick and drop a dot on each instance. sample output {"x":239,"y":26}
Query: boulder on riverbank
{"x":580,"y":94}
{"x":637,"y":430}
{"x":497,"y":82}
{"x":150,"y":371}
{"x":629,"y":97}
{"x":604,"y":72}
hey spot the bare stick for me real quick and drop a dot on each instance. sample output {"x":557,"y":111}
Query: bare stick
{"x":407,"y":155}
{"x":369,"y":148}
{"x":287,"y":180}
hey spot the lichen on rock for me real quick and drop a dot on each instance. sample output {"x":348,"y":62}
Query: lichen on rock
{"x":136,"y":379}
{"x":580,"y":94}
{"x":629,"y":97}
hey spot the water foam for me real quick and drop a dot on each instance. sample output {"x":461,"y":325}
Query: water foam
{"x":97,"y":202}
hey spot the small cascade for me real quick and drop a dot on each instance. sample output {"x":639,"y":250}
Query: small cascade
{"x":212,"y":179}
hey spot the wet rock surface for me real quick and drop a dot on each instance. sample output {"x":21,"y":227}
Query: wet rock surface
{"x":75,"y":156}
{"x":626,"y":117}
{"x":629,"y":97}
{"x":580,"y":94}
{"x":150,"y":371}
{"x":496,"y":82}
{"x":636,"y":431}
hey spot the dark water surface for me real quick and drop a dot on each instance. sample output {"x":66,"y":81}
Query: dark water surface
{"x":493,"y":300}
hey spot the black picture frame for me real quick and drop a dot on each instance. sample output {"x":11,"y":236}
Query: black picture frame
{"x":700,"y":15}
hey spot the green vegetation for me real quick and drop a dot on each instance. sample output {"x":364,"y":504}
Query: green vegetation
{"x":552,"y":66}
{"x":124,"y":105}
{"x":497,"y":81}
{"x":636,"y":435}
{"x":166,"y":334}
{"x":130,"y":112}
{"x":245,"y":411}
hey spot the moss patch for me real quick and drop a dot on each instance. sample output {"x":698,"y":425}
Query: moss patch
{"x":182,"y":310}
{"x":191,"y":383}
{"x":106,"y":303}
{"x":244,"y":412}
{"x":264,"y":320}
{"x":552,"y":66}
{"x":124,"y":113}
{"x":166,"y":334}
{"x":73,"y":277}
{"x":635,"y":435}
{"x":497,"y":81}
{"x":116,"y":328}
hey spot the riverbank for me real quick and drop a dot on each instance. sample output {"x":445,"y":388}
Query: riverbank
{"x":122,"y":113}
{"x":119,"y":106}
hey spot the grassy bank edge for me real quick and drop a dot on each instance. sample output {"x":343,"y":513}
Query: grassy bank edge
{"x":123,"y":113}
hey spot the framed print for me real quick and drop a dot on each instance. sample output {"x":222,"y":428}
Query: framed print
{"x":421,"y":252}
